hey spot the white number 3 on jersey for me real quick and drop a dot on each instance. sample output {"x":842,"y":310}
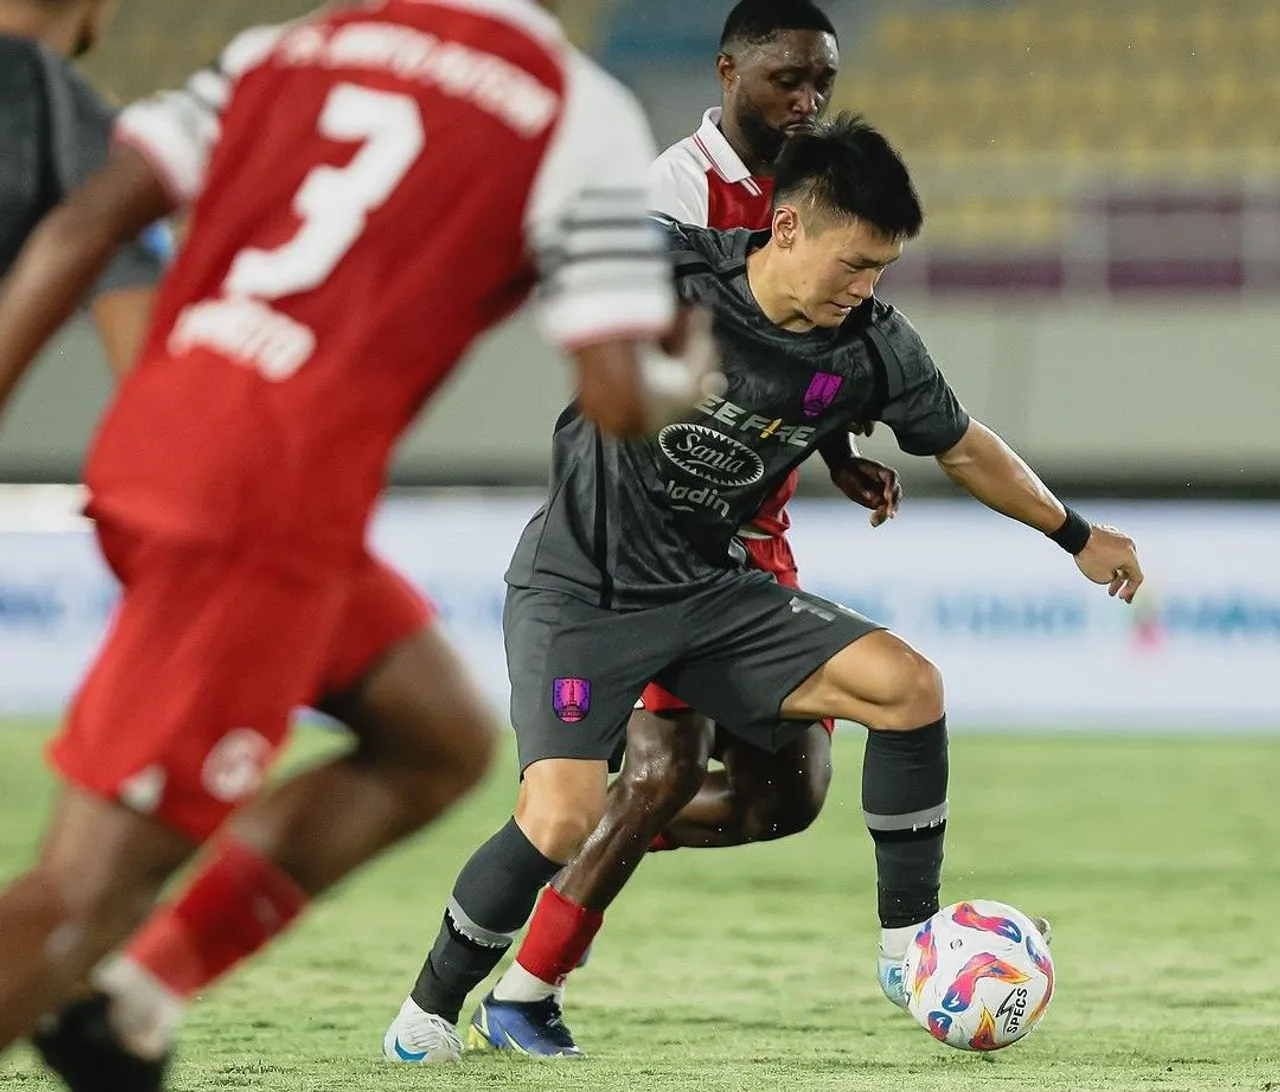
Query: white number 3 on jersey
{"x":334,"y":202}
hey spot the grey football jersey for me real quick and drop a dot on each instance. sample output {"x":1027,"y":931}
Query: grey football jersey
{"x":54,"y":133}
{"x":629,"y":524}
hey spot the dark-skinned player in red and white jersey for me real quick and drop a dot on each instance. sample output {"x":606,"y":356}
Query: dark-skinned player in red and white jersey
{"x":777,"y":66}
{"x":337,"y":267}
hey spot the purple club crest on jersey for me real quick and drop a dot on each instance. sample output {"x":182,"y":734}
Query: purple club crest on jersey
{"x":571,"y":699}
{"x":822,"y":391}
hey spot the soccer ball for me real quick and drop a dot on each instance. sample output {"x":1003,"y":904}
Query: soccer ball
{"x":978,"y":975}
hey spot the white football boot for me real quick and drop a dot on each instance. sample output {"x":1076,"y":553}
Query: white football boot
{"x":417,"y":1037}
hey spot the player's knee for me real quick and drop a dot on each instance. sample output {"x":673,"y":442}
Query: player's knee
{"x":452,"y":747}
{"x":666,"y":761}
{"x":782,"y":810}
{"x":916,"y":696}
{"x":559,"y":832}
{"x":470,"y":751}
{"x":558,"y":814}
{"x":662,"y":783}
{"x":806,"y":802}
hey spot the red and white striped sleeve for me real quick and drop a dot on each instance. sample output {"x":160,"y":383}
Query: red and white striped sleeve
{"x":176,"y":130}
{"x":602,"y":260}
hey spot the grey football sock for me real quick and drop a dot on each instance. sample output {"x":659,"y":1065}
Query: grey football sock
{"x":492,"y":898}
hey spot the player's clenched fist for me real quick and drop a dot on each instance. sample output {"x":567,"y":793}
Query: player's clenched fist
{"x":1110,"y":557}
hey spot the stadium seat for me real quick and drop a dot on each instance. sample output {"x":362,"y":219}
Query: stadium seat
{"x":1100,"y":89}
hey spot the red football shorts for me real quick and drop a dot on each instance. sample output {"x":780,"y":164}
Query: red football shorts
{"x":209,"y":653}
{"x":770,"y":555}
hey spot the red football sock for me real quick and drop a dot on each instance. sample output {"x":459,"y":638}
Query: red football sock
{"x":662,"y":842}
{"x":559,"y":933}
{"x":233,"y":908}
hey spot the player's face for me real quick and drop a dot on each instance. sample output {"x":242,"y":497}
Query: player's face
{"x":778,"y":87}
{"x":832,"y":265}
{"x":95,"y":15}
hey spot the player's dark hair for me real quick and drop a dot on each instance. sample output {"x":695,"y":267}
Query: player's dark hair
{"x":753,"y":22}
{"x":843,"y":168}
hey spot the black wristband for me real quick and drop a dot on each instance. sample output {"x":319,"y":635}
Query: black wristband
{"x":1073,"y":535}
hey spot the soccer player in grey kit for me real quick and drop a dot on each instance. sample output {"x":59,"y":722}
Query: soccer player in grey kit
{"x":54,"y":131}
{"x":631,"y":571}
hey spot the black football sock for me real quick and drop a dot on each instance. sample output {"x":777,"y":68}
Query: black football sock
{"x":904,"y":799}
{"x":492,"y":898}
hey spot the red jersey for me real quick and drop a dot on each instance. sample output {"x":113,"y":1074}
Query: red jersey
{"x":372,"y":188}
{"x":702,"y":180}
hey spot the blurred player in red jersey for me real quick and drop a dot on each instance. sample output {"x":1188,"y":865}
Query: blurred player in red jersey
{"x":338,"y":266}
{"x":777,"y":67}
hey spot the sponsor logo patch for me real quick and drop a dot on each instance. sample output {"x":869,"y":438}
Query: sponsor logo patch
{"x":711,"y":456}
{"x":822,"y":391}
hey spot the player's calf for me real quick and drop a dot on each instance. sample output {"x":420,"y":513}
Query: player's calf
{"x":885,"y":684}
{"x":560,"y":802}
{"x":99,"y":873}
{"x":666,"y":758}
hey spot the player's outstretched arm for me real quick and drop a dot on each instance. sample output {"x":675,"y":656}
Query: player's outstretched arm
{"x":66,"y":254}
{"x":987,"y":468}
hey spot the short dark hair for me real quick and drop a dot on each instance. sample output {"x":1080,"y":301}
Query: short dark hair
{"x":752,"y":22}
{"x":845,"y":168}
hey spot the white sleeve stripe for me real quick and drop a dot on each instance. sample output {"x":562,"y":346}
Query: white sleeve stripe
{"x":636,"y":331}
{"x":607,"y":316}
{"x":628,"y":227}
{"x":552,"y":259}
{"x":628,"y":192}
{"x":613,"y":283}
{"x":598,"y":207}
{"x":585,"y":246}
{"x":582,"y":275}
{"x":619,"y":221}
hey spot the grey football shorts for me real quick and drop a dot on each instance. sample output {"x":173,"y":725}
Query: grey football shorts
{"x":733,"y":651}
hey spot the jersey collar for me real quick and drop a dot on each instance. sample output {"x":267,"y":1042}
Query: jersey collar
{"x":712,"y":143}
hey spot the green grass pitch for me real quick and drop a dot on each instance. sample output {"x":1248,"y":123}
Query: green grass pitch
{"x":722,"y":971}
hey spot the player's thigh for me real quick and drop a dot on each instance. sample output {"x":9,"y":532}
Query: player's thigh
{"x":879,"y":681}
{"x":753,"y":642}
{"x":393,"y":678}
{"x":576,"y":671}
{"x":191,"y":694}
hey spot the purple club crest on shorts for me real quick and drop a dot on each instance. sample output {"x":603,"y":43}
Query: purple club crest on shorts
{"x":571,"y":699}
{"x":823,"y":388}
